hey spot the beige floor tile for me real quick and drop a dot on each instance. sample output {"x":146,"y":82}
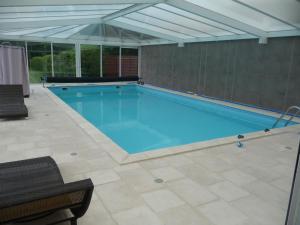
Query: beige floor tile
{"x":221,"y":213}
{"x":238,"y":177}
{"x":140,"y":180}
{"x":96,"y":214}
{"x":284,"y":184}
{"x":213,"y":163}
{"x":191,"y":192}
{"x":137,"y":216}
{"x":269,"y":193}
{"x":200,"y":174}
{"x":183,"y":215}
{"x":162,"y":200}
{"x":228,"y":191}
{"x":102,"y":176}
{"x":260,"y":211}
{"x":118,"y":196}
{"x":167,"y":173}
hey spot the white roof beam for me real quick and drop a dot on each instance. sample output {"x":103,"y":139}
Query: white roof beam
{"x":20,"y":3}
{"x":145,"y":31}
{"x":126,"y":11}
{"x":73,"y":41}
{"x":217,"y":17}
{"x":43,"y":23}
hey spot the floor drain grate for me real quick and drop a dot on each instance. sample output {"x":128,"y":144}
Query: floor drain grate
{"x":158,"y":180}
{"x":288,"y":148}
{"x":73,"y":154}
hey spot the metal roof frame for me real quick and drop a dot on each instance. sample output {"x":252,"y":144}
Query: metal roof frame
{"x":124,"y":18}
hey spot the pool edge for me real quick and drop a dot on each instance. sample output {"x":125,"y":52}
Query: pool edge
{"x":122,"y":157}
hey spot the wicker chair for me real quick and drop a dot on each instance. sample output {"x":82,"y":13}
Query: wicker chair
{"x":34,"y":188}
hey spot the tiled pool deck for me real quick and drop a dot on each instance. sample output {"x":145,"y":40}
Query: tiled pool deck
{"x":223,"y":185}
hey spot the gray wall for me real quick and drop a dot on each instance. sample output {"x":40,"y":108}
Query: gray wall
{"x":241,"y":71}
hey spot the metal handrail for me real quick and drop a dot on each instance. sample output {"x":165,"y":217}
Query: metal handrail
{"x":285,"y":113}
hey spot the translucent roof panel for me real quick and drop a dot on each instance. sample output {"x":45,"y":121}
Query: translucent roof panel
{"x":289,"y":11}
{"x":103,"y":32}
{"x":244,"y":14}
{"x":54,"y":14}
{"x":197,"y":18}
{"x":33,"y":13}
{"x":38,"y":9}
{"x":69,"y":32}
{"x":172,"y":26}
{"x":181,"y":20}
{"x":153,"y":28}
{"x":28,"y":31}
{"x":50,"y":32}
{"x":48,"y":18}
{"x":141,"y":22}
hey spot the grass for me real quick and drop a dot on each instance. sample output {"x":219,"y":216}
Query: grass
{"x":35,"y":76}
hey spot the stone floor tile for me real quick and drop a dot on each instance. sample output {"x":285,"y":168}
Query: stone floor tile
{"x":260,"y":211}
{"x":221,"y":213}
{"x":238,"y":177}
{"x":118,"y":196}
{"x":102,"y":176}
{"x":191,"y":192}
{"x":183,"y":215}
{"x":162,"y":200}
{"x":167,"y":173}
{"x":137,"y":216}
{"x":228,"y":191}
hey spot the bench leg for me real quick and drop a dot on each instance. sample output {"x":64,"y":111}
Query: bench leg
{"x":73,"y":221}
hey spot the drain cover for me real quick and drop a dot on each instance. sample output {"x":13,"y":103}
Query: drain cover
{"x":158,"y":180}
{"x":288,"y":148}
{"x":73,"y":154}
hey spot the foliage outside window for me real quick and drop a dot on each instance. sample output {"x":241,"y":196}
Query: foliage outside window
{"x":129,"y":62}
{"x":64,"y":60}
{"x":39,"y":60}
{"x":110,"y":57}
{"x":90,"y":60}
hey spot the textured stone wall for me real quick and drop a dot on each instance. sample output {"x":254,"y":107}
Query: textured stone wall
{"x":241,"y":71}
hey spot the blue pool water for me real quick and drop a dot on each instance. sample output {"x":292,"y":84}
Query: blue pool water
{"x":140,"y":118}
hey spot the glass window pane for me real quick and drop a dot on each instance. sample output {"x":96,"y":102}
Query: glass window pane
{"x":13,"y":43}
{"x":110,"y":57}
{"x":39,"y":60}
{"x":129,"y":62}
{"x":64,"y":60}
{"x":90,"y":60}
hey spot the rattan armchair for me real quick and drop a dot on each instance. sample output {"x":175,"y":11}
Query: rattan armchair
{"x":34,"y":188}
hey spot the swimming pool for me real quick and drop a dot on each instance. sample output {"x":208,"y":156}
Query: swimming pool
{"x":140,"y":119}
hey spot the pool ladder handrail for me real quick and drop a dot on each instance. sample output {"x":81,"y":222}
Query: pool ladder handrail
{"x":285,"y":113}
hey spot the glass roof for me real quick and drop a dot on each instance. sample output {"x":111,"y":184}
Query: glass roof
{"x":148,"y":21}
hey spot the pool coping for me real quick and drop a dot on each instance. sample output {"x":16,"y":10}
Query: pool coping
{"x":122,"y":157}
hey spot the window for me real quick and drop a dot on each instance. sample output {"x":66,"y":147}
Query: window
{"x":90,"y":60}
{"x":13,"y":43}
{"x":129,"y":62}
{"x":64,"y":63}
{"x":110,"y":57}
{"x":39,"y":60}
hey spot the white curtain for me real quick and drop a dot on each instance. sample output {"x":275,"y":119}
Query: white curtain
{"x":13,"y":67}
